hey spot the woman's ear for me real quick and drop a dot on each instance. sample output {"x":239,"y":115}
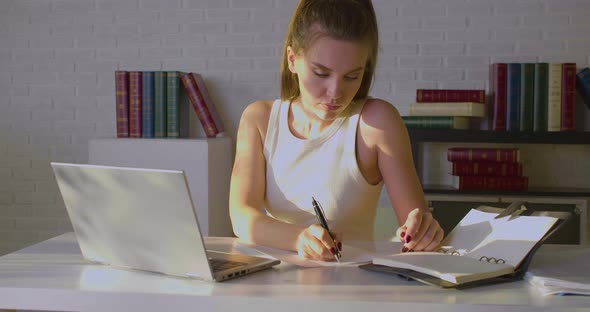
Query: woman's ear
{"x":291,"y":59}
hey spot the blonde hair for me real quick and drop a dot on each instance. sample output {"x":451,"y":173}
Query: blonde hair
{"x":351,"y":20}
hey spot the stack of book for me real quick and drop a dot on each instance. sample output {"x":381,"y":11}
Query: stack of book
{"x":533,"y":96}
{"x":445,"y":108}
{"x":152,"y":104}
{"x":487,"y":169}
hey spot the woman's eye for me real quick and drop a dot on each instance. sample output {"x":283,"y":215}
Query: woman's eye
{"x":320,"y":74}
{"x":351,"y":77}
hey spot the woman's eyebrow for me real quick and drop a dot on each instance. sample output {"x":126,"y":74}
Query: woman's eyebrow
{"x":329,"y":69}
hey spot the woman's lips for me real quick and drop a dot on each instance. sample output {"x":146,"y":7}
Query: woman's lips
{"x":331,"y":107}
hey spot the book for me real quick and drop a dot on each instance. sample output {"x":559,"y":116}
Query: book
{"x":198,"y":102}
{"x":202,"y":87}
{"x":122,"y":103}
{"x":513,"y":96}
{"x":483,"y":154}
{"x":450,"y":95}
{"x":438,"y":122}
{"x":527,"y":96}
{"x":135,"y":104}
{"x":540,"y":96}
{"x":490,"y":183}
{"x":458,"y":109}
{"x":498,"y":96}
{"x":147,"y":104}
{"x":486,"y":168}
{"x":481,"y":247}
{"x":554,"y":98}
{"x":172,"y":104}
{"x":583,"y":85}
{"x":568,"y":97}
{"x":160,"y":109}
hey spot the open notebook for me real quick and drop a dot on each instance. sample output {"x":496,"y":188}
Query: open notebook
{"x":481,"y":248}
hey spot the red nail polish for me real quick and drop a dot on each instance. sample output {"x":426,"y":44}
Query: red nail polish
{"x":340,"y":246}
{"x":333,"y":251}
{"x":408,"y":239}
{"x":403,"y":234}
{"x":405,"y":249}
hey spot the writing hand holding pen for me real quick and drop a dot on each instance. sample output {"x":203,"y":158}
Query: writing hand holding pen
{"x":319,"y":212}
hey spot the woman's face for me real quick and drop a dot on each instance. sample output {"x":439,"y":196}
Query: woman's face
{"x":329,"y":74}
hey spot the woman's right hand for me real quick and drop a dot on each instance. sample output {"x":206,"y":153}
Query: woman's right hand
{"x":315,"y":243}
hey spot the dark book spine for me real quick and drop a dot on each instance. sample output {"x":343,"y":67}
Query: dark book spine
{"x":527,"y":96}
{"x":568,"y":97}
{"x":492,"y":183}
{"x":433,"y":122}
{"x":513,"y":90}
{"x":147,"y":104}
{"x":173,"y":104}
{"x":450,"y":95}
{"x":198,"y":103}
{"x":135,"y":104}
{"x":498,"y":94}
{"x":160,"y":99}
{"x":583,"y":85}
{"x":541,"y":94}
{"x":122,"y":102}
{"x":481,"y":168}
{"x":483,"y":154}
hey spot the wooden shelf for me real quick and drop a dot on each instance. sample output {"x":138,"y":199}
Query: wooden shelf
{"x":473,"y":136}
{"x":419,"y":136}
{"x":558,"y":192}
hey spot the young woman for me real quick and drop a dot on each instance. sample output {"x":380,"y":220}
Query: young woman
{"x":325,"y":138}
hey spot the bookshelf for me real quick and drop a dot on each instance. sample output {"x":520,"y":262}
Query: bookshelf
{"x":420,"y":136}
{"x":206,"y":163}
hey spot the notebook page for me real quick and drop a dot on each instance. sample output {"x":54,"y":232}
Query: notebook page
{"x":509,"y":238}
{"x":351,"y":256}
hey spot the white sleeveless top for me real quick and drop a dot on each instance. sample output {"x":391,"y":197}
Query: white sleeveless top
{"x":324,"y":167}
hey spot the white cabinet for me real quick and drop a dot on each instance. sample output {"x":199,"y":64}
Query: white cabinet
{"x":207,"y":164}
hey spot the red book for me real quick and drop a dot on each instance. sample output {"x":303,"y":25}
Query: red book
{"x":202,"y":87}
{"x":491,"y":183}
{"x":568,"y":97}
{"x":486,"y":168}
{"x":483,"y":154}
{"x":135,"y":104}
{"x":450,"y":95}
{"x":498,"y":94}
{"x":197,"y":100}
{"x":122,"y":101}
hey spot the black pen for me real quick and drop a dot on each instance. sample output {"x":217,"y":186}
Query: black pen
{"x":319,"y":213}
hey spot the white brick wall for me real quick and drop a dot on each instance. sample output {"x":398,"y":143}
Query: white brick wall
{"x":57,"y":60}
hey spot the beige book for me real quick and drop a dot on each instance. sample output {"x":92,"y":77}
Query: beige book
{"x":461,"y":109}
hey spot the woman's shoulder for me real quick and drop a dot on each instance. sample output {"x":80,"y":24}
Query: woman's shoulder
{"x":258,"y":111}
{"x":378,"y":113}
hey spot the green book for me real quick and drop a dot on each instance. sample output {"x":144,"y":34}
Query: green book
{"x":436,"y":122}
{"x":541,"y":97}
{"x":527,"y":96}
{"x":160,"y":99}
{"x":173,"y":94}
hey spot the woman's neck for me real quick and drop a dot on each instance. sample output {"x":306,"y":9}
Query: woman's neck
{"x":305,"y":124}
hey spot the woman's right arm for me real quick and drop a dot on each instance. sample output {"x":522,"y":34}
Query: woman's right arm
{"x":247,"y":191}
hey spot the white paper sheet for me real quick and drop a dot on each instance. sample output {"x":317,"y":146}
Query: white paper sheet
{"x":351,"y":256}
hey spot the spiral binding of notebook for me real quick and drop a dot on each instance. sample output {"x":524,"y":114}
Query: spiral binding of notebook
{"x":453,"y":252}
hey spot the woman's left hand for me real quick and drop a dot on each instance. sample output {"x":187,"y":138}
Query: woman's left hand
{"x":421,"y":232}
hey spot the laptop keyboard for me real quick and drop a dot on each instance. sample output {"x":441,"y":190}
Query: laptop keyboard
{"x":222,"y":264}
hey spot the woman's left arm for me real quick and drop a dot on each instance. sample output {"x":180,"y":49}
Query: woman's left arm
{"x":385,"y":129}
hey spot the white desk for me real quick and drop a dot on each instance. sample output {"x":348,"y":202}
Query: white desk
{"x":53,"y":276}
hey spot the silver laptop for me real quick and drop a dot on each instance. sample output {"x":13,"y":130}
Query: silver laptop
{"x":143,"y":219}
